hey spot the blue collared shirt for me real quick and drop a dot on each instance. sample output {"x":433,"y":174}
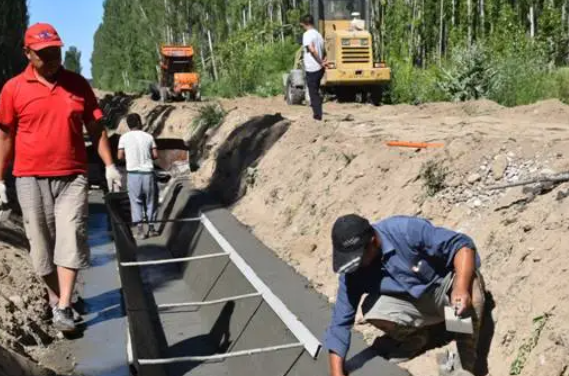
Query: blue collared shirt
{"x":414,"y":256}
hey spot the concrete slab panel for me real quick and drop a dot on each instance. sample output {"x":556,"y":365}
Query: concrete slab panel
{"x":265,"y":329}
{"x":230,"y":283}
{"x":201,"y":275}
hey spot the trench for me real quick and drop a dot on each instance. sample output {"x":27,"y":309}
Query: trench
{"x":199,"y":312}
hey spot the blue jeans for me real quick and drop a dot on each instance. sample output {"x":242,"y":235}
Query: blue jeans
{"x":142,"y":192}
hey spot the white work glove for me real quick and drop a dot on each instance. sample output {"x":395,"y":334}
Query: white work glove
{"x":113,"y":176}
{"x":3,"y":195}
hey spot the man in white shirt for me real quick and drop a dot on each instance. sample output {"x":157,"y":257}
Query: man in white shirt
{"x":139,"y":148}
{"x":314,"y":59}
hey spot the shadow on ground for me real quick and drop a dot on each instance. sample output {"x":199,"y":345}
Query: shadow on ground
{"x":241,"y":150}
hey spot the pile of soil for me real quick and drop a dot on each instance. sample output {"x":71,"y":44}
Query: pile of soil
{"x":25,"y":333}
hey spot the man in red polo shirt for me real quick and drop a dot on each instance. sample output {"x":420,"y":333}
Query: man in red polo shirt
{"x":42,"y":113}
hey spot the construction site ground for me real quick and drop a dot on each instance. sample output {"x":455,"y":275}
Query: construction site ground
{"x":288,"y":177}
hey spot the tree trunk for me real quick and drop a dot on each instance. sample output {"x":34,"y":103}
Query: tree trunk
{"x":482,"y":17}
{"x":412,"y":33}
{"x":270,"y":11}
{"x":452,"y":18}
{"x":469,"y":20}
{"x":531,"y":22}
{"x":282,"y":22}
{"x":250,"y":11}
{"x":211,"y":54}
{"x":441,"y":30}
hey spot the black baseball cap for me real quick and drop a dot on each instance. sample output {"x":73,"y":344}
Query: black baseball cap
{"x":351,"y":235}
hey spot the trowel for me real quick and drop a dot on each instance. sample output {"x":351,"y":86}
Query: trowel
{"x":457,"y":324}
{"x":4,"y":213}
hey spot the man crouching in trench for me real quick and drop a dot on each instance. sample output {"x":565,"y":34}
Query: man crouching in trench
{"x":410,"y":270}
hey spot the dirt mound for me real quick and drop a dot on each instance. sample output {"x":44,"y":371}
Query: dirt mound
{"x":24,"y":329}
{"x":317,"y":171}
{"x":552,"y":109}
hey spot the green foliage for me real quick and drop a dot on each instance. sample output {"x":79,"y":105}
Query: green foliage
{"x":13,"y":23}
{"x":469,"y":75}
{"x":243,"y":46}
{"x":72,"y":60}
{"x":415,"y":85}
{"x":433,"y":174}
{"x":529,"y":344}
{"x":501,"y":62}
{"x":251,"y":68}
{"x":210,"y":116}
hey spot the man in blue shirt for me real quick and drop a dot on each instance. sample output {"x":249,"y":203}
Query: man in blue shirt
{"x":409,"y":270}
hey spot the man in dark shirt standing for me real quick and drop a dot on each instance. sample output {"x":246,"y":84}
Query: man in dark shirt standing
{"x":410,"y":270}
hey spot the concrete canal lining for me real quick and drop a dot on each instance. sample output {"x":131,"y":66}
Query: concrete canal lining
{"x":229,"y":326}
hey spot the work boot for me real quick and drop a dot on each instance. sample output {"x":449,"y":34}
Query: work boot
{"x":409,"y":343}
{"x":63,"y":319}
{"x":140,"y":234}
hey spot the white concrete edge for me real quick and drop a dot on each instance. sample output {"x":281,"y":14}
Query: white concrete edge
{"x":311,"y":344}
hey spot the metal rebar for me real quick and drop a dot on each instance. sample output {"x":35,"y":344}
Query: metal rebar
{"x":209,"y":302}
{"x":178,"y":220}
{"x":173,"y":260}
{"x":207,"y":358}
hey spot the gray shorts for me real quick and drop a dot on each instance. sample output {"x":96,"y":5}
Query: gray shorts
{"x":407,"y":311}
{"x":55,"y":214}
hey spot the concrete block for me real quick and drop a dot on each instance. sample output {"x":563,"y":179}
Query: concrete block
{"x":230,"y":283}
{"x":264,"y":329}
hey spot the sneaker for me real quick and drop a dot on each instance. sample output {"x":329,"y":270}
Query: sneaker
{"x":140,"y":234}
{"x":401,"y":351}
{"x":63,"y":319}
{"x":152,"y":232}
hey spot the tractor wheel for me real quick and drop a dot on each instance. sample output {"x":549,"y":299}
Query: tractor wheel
{"x":154,"y":92}
{"x":346,"y":95}
{"x":293,"y":95}
{"x":376,"y":95}
{"x":197,"y":96}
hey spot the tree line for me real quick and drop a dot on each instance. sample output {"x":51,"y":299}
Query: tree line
{"x":13,"y":24}
{"x":244,"y":45}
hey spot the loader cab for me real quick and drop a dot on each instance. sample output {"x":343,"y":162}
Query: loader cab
{"x":334,"y":15}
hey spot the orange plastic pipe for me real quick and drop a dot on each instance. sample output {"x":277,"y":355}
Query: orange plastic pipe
{"x":417,"y":145}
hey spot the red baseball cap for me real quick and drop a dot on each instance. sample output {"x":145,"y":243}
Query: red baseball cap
{"x":40,"y":36}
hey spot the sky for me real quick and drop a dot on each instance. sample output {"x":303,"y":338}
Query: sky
{"x":75,"y":20}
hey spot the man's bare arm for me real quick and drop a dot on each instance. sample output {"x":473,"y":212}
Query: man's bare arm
{"x":154,"y":153}
{"x":464,"y":268}
{"x":100,"y":140}
{"x":314,"y":53}
{"x":6,"y":147}
{"x":336,"y":364}
{"x":120,"y":154}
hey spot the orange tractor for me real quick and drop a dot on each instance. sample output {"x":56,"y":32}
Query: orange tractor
{"x":178,"y":79}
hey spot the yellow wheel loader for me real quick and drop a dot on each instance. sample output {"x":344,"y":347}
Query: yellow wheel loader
{"x":352,"y":70}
